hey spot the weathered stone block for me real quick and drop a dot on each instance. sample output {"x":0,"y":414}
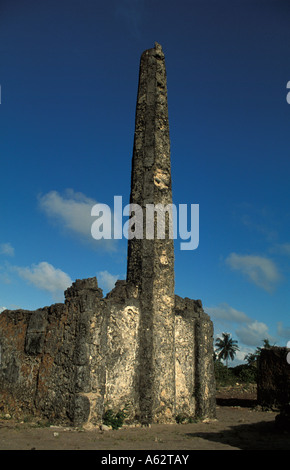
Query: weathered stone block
{"x":273,"y":385}
{"x":35,"y":333}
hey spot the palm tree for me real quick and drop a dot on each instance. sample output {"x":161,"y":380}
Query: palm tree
{"x":226,"y":347}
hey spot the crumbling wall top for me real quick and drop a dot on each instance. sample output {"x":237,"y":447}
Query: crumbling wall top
{"x":186,"y":306}
{"x":82,"y":287}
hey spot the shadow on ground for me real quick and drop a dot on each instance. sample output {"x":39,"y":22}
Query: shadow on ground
{"x":244,"y":403}
{"x":256,"y":436}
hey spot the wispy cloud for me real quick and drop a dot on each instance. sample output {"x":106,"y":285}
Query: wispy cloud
{"x":249,"y":332}
{"x":258,"y":269}
{"x":283,"y":331}
{"x":252,"y":334}
{"x":243,"y":351}
{"x":266,"y":230}
{"x":4,"y":274}
{"x":281,"y":249}
{"x":258,"y":220}
{"x":227,"y":313}
{"x":107,"y":280}
{"x":6,"y":249}
{"x":46,"y":277}
{"x":72,"y":212}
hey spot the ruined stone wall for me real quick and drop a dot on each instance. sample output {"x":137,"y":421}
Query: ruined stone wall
{"x":195,"y":382}
{"x":18,"y":370}
{"x":273,"y":385}
{"x":74,"y":361}
{"x":44,"y":359}
{"x":31,"y":352}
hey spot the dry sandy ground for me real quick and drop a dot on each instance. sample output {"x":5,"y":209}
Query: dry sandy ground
{"x":235,"y":428}
{"x":239,"y":425}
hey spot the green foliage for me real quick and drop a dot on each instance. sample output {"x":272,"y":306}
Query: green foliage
{"x":245,"y":373}
{"x":223,"y":375}
{"x":115,"y":420}
{"x":248,"y":374}
{"x":242,"y":373}
{"x":184,"y":419}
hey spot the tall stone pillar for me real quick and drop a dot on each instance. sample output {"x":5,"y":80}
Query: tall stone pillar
{"x":151,"y":259}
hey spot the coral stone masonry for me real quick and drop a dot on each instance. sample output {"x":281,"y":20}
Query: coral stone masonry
{"x":141,"y":349}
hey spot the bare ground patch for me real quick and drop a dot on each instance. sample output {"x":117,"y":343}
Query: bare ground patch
{"x":239,"y":424}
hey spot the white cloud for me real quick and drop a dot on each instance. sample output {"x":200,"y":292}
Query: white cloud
{"x":240,"y":355}
{"x":252,"y":334}
{"x":6,"y":249}
{"x":106,"y":280}
{"x":2,"y":309}
{"x":259,"y":270}
{"x":225,"y":312}
{"x":283,"y":331}
{"x":249,"y":332}
{"x":73,"y":212}
{"x":46,"y":277}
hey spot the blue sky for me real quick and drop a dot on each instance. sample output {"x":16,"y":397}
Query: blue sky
{"x":69,"y":75}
